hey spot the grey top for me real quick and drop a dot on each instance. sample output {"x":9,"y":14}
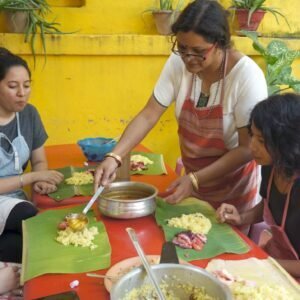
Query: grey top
{"x":31,"y":126}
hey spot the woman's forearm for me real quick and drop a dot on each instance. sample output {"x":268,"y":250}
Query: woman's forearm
{"x":138,"y":128}
{"x":227,"y":163}
{"x":12,"y":183}
{"x":291,"y":266}
{"x":253,"y":215}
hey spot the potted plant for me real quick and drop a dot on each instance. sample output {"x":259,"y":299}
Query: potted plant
{"x":278,"y":58}
{"x":165,"y":13}
{"x":249,"y":13}
{"x":29,"y":16}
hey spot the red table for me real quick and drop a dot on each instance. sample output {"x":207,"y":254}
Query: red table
{"x":70,"y":155}
{"x":149,"y":234}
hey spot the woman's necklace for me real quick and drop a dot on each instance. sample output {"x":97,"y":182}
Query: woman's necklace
{"x":205,"y":99}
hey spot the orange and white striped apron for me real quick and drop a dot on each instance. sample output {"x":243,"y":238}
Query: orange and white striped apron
{"x":202,"y":143}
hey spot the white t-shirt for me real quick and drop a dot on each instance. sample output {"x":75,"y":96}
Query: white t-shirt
{"x":245,"y":85}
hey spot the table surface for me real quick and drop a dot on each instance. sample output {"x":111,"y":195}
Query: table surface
{"x":149,"y":234}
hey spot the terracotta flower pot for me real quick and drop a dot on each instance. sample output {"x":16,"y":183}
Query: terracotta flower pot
{"x":16,"y":21}
{"x":242,"y":18}
{"x":164,"y":20}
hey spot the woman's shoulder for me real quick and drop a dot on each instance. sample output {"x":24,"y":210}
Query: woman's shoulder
{"x":243,"y":66}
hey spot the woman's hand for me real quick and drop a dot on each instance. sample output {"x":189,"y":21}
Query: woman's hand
{"x":9,"y":279}
{"x":43,"y":187}
{"x":182,"y":188}
{"x":105,"y":173}
{"x":228,"y":213}
{"x":50,"y":176}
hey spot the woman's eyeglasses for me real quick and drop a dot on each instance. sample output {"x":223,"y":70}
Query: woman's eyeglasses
{"x":184,"y":53}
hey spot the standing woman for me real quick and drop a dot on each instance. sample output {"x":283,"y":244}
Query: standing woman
{"x":275,"y":145}
{"x":214,"y":88}
{"x":22,"y":136}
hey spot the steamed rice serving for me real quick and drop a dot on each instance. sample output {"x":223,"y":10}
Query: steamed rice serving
{"x":197,"y":223}
{"x":82,"y":238}
{"x":80,"y":178}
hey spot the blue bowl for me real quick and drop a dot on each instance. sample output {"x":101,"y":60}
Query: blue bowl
{"x":95,"y":149}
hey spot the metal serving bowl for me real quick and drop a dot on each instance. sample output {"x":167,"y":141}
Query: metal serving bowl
{"x":174,"y":276}
{"x":127,"y":200}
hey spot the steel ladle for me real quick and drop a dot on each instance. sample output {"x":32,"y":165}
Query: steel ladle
{"x":78,"y":221}
{"x":144,"y":260}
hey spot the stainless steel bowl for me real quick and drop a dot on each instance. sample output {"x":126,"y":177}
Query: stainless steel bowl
{"x":174,"y":276}
{"x":128,"y":200}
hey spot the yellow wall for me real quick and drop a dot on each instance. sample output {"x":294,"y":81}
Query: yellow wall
{"x":96,"y":80}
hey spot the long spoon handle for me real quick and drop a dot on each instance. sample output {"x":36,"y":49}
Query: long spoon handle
{"x":94,"y":198}
{"x":142,"y":256}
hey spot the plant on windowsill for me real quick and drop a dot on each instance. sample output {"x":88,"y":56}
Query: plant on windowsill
{"x":250,"y":13}
{"x":29,"y":17}
{"x":278,"y":58}
{"x":165,"y":13}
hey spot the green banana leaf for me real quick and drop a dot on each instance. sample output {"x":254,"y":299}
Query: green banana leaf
{"x":43,"y":254}
{"x":220,"y":239}
{"x":65,"y":190}
{"x":157,"y":168}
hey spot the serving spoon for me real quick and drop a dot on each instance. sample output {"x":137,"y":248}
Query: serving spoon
{"x":78,"y":221}
{"x":139,"y":250}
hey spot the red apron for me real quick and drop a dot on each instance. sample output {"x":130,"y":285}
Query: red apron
{"x":279,"y":246}
{"x":201,"y":140}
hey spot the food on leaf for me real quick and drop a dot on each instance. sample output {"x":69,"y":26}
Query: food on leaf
{"x":196,"y":223}
{"x":190,"y":240}
{"x":80,"y":178}
{"x":139,"y":162}
{"x":82,"y":238}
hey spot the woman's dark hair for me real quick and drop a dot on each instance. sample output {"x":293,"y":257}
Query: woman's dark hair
{"x":206,"y":18}
{"x":278,"y":119}
{"x":8,"y":60}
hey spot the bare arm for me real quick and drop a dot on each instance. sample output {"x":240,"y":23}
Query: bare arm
{"x":229,"y":162}
{"x":39,"y":173}
{"x":136,"y":130}
{"x":292,"y":266}
{"x":228,"y":213}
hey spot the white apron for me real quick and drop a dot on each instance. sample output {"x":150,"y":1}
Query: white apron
{"x":11,"y":163}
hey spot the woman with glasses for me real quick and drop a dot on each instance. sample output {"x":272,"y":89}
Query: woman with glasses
{"x":275,"y":144}
{"x":22,"y":136}
{"x":214,"y":88}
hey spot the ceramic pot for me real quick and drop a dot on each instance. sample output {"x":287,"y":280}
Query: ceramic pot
{"x":16,"y":22}
{"x":164,"y":19}
{"x":242,"y":18}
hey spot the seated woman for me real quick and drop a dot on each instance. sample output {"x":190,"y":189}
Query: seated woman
{"x":275,"y":145}
{"x":22,"y":136}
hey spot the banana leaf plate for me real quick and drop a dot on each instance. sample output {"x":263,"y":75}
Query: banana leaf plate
{"x":157,"y":168}
{"x":65,"y":190}
{"x":220,"y":239}
{"x":43,"y":254}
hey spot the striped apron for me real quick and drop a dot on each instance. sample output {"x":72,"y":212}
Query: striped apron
{"x":202,"y":143}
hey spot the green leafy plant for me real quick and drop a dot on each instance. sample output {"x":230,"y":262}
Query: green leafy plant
{"x":253,"y":5}
{"x":36,"y":11}
{"x":278,"y":58}
{"x":168,"y":4}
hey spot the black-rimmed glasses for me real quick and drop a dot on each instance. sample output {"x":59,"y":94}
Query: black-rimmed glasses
{"x":184,"y":53}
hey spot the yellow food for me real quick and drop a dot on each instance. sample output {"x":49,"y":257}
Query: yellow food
{"x":82,"y":238}
{"x":80,"y":178}
{"x":141,"y":158}
{"x":170,"y":291}
{"x":197,"y":223}
{"x":263,"y":292}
